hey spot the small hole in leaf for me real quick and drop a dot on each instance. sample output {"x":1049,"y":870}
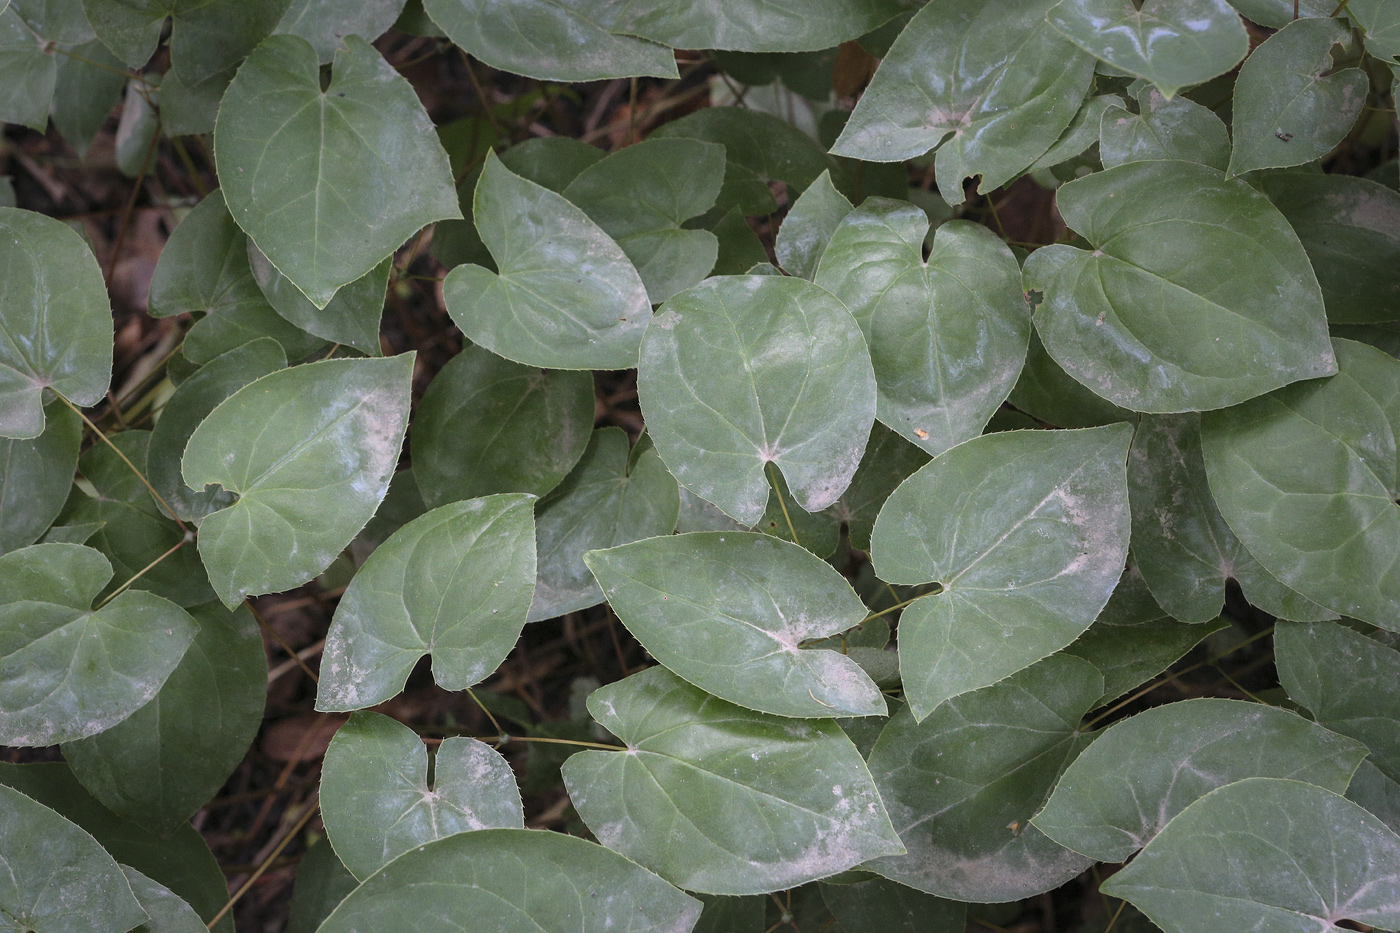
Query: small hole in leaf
{"x":1034,"y":298}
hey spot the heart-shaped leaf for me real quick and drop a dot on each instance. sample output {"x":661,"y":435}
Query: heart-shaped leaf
{"x":302,"y":171}
{"x":455,"y":583}
{"x":377,"y":801}
{"x":727,"y":628}
{"x":808,"y":227}
{"x":1163,"y":128}
{"x":755,"y":25}
{"x":130,"y":28}
{"x":805,"y":401}
{"x":1026,"y":532}
{"x":722,"y":800}
{"x":1381,"y":22}
{"x":565,"y":295}
{"x":1198,"y":295}
{"x":947,"y":335}
{"x":309,"y":452}
{"x":36,"y":476}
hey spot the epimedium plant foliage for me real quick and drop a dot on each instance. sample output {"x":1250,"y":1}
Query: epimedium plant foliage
{"x":1056,"y":455}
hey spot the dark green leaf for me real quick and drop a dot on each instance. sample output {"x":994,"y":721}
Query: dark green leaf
{"x":167,"y":912}
{"x":87,"y":85}
{"x":1047,"y":393}
{"x":36,"y":475}
{"x":322,"y":883}
{"x":325,"y":25}
{"x":212,"y":36}
{"x":130,"y":28}
{"x":28,"y":72}
{"x":351,"y":317}
{"x":881,"y":906}
{"x":755,"y":25}
{"x":888,"y":461}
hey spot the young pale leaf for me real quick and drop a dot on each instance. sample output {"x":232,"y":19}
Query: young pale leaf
{"x":487,"y":425}
{"x":566,"y":295}
{"x":1172,"y":43}
{"x":722,"y":800}
{"x":36,"y":476}
{"x":947,"y":335}
{"x":1266,"y":854}
{"x":882,"y":906}
{"x":550,"y":40}
{"x":57,"y":878}
{"x":67,"y":671}
{"x":808,"y":227}
{"x":606,"y":501}
{"x":55,"y":322}
{"x":640,"y":196}
{"x":377,"y":801}
{"x":805,"y":401}
{"x":351,"y":317}
{"x":1306,"y":476}
{"x":170,"y":757}
{"x":455,"y":583}
{"x":326,"y":25}
{"x":755,"y":25}
{"x":309,"y":452}
{"x":1199,"y":295}
{"x":1350,"y":684}
{"x":1143,"y":771}
{"x":302,"y":172}
{"x":734,"y":622}
{"x":1163,"y":128}
{"x":1290,"y":107}
{"x":961,"y":785}
{"x":514,"y":879}
{"x":1025,"y":531}
{"x":991,"y":86}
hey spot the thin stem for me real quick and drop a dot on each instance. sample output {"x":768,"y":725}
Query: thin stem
{"x":119,"y":590}
{"x":481,"y":95}
{"x":1114,"y":919}
{"x":278,"y":638}
{"x":876,"y":615}
{"x":129,"y":75}
{"x":540,"y":738}
{"x":194,"y":176}
{"x":301,"y":822}
{"x":145,"y":482}
{"x":782,"y":502}
{"x":477,"y":700}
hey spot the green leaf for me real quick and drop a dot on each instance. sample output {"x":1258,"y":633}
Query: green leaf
{"x":309,"y":452}
{"x":455,"y":583}
{"x":566,"y":296}
{"x":605,"y":502}
{"x":818,"y":532}
{"x":642,"y":194}
{"x":302,"y":174}
{"x":28,"y":72}
{"x":881,"y":906}
{"x":36,"y":475}
{"x":991,"y":87}
{"x":947,"y":335}
{"x":755,"y":25}
{"x":1198,"y":295}
{"x":87,"y":85}
{"x":550,"y":40}
{"x":1025,"y":531}
{"x":1380,"y":20}
{"x":1306,"y":477}
{"x":325,"y":25}
{"x":1172,"y":43}
{"x":1290,"y":107}
{"x":1047,"y":393}
{"x":169,"y":758}
{"x":378,"y":803}
{"x":514,"y":879}
{"x":1163,"y":128}
{"x":805,"y":403}
{"x":137,"y":128}
{"x":1275,"y":14}
{"x":726,"y":627}
{"x":808,"y":227}
{"x":487,"y":425}
{"x":67,"y":671}
{"x":167,"y":912}
{"x":741,"y":252}
{"x":322,"y":883}
{"x":1082,"y":132}
{"x":351,"y":317}
{"x":130,"y":28}
{"x":1377,"y":793}
{"x":962,"y":784}
{"x":1141,"y":772}
{"x":1350,"y":684}
{"x":722,"y":800}
{"x":57,"y":878}
{"x":889,"y":460}
{"x":55,"y":322}
{"x":1267,"y":854}
{"x":211,"y":36}
{"x":191,"y":107}
{"x":1350,"y":228}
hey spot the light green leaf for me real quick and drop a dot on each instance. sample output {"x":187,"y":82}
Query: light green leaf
{"x":55,"y":322}
{"x":889,"y":460}
{"x":755,"y":25}
{"x":566,"y":296}
{"x":1350,"y":683}
{"x":57,"y":878}
{"x":550,"y":40}
{"x":717,"y":433}
{"x":881,"y":906}
{"x":302,"y":174}
{"x":605,"y":502}
{"x":487,"y":425}
{"x":1306,"y":477}
{"x":130,"y":28}
{"x":1047,"y":393}
{"x":67,"y":671}
{"x":309,"y":451}
{"x":1290,"y":107}
{"x":378,"y":803}
{"x":947,"y":335}
{"x":454,"y":583}
{"x":85,"y":92}
{"x":724,"y":626}
{"x":1143,"y":771}
{"x":642,"y":194}
{"x":35,"y":477}
{"x":1027,"y":533}
{"x":28,"y":73}
{"x":1163,"y":128}
{"x":166,"y":911}
{"x":1172,"y":43}
{"x":722,"y":800}
{"x":962,"y":784}
{"x":351,"y":317}
{"x":514,"y":879}
{"x":808,"y":227}
{"x":991,"y":87}
{"x":1198,"y":295}
{"x":1266,"y":854}
{"x":1380,"y":20}
{"x":322,"y":882}
{"x":169,"y":758}
{"x":325,"y":25}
